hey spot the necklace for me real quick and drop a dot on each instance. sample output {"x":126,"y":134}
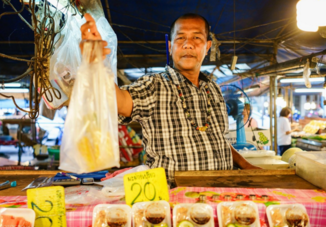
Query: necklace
{"x":184,"y":105}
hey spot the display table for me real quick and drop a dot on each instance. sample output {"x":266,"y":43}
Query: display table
{"x":80,"y":215}
{"x":314,"y":199}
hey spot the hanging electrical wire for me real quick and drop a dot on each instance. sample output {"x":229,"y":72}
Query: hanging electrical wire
{"x":47,"y":23}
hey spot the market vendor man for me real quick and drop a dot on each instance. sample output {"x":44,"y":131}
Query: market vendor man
{"x":182,"y":112}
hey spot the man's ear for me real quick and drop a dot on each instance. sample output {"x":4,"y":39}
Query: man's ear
{"x":209,"y":45}
{"x":170,"y":48}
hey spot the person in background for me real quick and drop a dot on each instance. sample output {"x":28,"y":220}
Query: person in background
{"x":251,"y":122}
{"x":284,"y":130}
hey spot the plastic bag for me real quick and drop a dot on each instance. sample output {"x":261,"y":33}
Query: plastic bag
{"x":306,"y":74}
{"x":90,"y":140}
{"x":115,"y":186}
{"x":88,"y":195}
{"x":66,"y":58}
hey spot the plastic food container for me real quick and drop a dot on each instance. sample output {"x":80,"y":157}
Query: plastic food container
{"x":151,"y":214}
{"x":190,"y":215}
{"x":287,"y":215}
{"x":23,"y":216}
{"x":111,"y":215}
{"x":311,"y":166}
{"x":242,"y":213}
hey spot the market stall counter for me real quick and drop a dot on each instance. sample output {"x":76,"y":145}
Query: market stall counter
{"x":263,"y":187}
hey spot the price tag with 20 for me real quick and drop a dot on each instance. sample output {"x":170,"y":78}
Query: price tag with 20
{"x":149,"y":185}
{"x":49,"y":206}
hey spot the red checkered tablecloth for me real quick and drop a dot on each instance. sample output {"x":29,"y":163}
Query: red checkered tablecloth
{"x":80,"y":215}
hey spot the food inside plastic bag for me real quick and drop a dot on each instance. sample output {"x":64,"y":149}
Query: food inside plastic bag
{"x":238,"y":214}
{"x":90,"y":141}
{"x":151,"y":214}
{"x":190,"y":215}
{"x":111,"y":215}
{"x":287,"y":215}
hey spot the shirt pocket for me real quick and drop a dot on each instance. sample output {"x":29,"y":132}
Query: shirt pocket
{"x":220,"y":113}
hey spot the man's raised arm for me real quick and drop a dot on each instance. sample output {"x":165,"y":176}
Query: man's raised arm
{"x":89,"y":32}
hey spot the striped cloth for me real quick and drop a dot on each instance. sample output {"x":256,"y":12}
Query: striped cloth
{"x":169,"y":138}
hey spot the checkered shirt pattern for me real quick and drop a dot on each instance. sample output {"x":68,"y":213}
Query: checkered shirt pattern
{"x":169,"y":138}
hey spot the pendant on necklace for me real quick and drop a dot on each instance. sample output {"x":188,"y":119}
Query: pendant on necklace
{"x":203,"y":128}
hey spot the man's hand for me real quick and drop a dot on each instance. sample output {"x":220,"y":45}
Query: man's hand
{"x":250,"y":166}
{"x":89,"y":32}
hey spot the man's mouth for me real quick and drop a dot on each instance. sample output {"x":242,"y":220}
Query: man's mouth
{"x":188,"y":56}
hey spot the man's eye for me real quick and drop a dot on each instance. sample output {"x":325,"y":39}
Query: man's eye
{"x":196,"y":37}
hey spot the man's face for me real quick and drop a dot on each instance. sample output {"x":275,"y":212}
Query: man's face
{"x":189,"y":44}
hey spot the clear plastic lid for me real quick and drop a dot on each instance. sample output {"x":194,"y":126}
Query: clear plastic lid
{"x":287,"y":215}
{"x":149,"y":214}
{"x":155,"y":213}
{"x":116,"y":216}
{"x":245,"y":214}
{"x":113,"y":215}
{"x":200,"y":214}
{"x":190,"y":215}
{"x":296,"y":217}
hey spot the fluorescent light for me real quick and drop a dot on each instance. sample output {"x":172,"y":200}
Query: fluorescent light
{"x":301,"y":80}
{"x":14,"y":90}
{"x":13,"y":85}
{"x":309,"y":90}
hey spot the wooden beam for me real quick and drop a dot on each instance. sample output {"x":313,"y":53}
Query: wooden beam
{"x":163,"y":55}
{"x":16,"y":42}
{"x":221,"y":41}
{"x":275,"y":68}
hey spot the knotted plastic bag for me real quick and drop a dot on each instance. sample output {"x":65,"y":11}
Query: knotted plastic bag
{"x":90,"y":140}
{"x":66,"y":58}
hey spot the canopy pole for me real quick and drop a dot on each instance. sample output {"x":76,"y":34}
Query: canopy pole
{"x":275,"y":114}
{"x":271,"y":110}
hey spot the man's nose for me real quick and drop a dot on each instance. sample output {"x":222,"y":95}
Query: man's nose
{"x":188,"y":44}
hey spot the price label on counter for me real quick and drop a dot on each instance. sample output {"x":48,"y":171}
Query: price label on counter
{"x":149,"y":185}
{"x":49,"y":206}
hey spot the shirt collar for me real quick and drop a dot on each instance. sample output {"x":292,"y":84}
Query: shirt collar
{"x":178,"y":78}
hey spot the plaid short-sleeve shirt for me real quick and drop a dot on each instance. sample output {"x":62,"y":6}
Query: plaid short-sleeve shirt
{"x":169,"y":138}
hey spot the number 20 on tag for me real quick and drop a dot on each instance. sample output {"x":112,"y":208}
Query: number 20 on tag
{"x":49,"y":206}
{"x":149,"y":185}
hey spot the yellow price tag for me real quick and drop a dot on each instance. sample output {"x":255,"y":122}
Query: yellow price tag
{"x":49,"y":206}
{"x":149,"y":185}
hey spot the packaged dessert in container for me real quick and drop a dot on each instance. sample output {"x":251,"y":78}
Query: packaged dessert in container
{"x":287,"y":215}
{"x":238,"y":214}
{"x":191,"y":215}
{"x":111,"y":215}
{"x":151,"y":214}
{"x":15,"y":217}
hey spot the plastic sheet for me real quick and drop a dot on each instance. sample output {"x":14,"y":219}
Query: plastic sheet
{"x":90,"y":141}
{"x":115,"y":186}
